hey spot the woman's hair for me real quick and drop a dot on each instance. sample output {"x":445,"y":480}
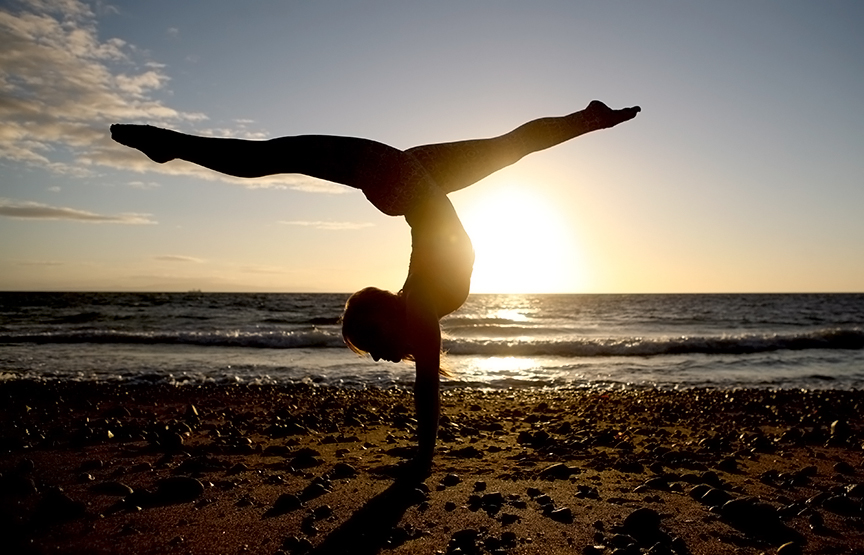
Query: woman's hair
{"x":365,"y":320}
{"x":365,"y":316}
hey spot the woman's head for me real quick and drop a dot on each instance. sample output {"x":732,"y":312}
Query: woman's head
{"x":374,"y":323}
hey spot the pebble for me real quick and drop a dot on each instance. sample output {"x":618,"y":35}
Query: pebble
{"x":343,"y":470}
{"x":56,"y":506}
{"x":563,"y":514}
{"x":178,"y":489}
{"x":558,"y":471}
{"x":789,"y":548}
{"x":509,"y":518}
{"x":841,"y":504}
{"x":843,"y":467}
{"x":642,"y":523}
{"x":315,"y":489}
{"x":451,"y":479}
{"x":855,"y":490}
{"x":714,"y":496}
{"x":111,"y":488}
{"x":750,"y":514}
{"x":285,"y":503}
{"x":323,"y":511}
{"x":17,"y":485}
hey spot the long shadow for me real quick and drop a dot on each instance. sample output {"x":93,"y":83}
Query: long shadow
{"x":370,"y":527}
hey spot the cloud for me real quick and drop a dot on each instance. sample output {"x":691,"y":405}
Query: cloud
{"x":37,"y":211}
{"x":177,"y":258}
{"x":329,"y":226}
{"x":144,"y":185}
{"x":61,"y":87}
{"x":39,"y":263}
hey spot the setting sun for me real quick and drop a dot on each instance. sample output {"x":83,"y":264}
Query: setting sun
{"x":522,"y":244}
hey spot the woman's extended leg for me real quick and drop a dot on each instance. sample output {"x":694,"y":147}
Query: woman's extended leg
{"x":387,"y":176}
{"x":457,"y":165}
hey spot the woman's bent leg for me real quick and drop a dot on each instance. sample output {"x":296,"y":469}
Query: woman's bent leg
{"x":457,"y":165}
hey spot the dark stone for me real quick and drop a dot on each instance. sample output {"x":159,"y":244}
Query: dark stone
{"x":305,"y":460}
{"x":451,"y":479}
{"x":841,"y":504}
{"x":840,"y":431}
{"x":343,"y":470}
{"x":17,"y":485}
{"x":323,"y":511}
{"x":469,"y":452}
{"x":843,"y":467}
{"x":285,"y":503}
{"x":509,"y":518}
{"x":714,"y":497}
{"x":855,"y":490}
{"x":622,"y":541}
{"x":56,"y":506}
{"x":750,"y":514}
{"x":642,"y":523}
{"x":238,"y":468}
{"x":111,"y":488}
{"x":315,"y":489}
{"x":558,"y":471}
{"x":465,"y":540}
{"x":564,"y":514}
{"x":789,"y":548}
{"x":178,"y":489}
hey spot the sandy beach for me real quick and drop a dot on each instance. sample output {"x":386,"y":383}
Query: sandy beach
{"x":295,"y":469}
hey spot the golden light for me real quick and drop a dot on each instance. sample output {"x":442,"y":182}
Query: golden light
{"x":522,"y":244}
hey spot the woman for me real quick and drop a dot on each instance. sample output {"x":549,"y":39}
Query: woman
{"x":412,"y":183}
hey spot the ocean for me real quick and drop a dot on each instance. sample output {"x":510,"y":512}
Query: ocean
{"x":805,"y":341}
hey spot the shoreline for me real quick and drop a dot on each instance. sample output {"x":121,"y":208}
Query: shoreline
{"x":300,"y":468}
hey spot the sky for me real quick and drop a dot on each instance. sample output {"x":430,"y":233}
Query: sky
{"x":743,"y":173}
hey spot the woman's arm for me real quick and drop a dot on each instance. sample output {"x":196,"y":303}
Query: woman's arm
{"x":425,"y":339}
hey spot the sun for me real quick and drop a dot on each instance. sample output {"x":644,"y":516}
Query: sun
{"x":522,"y":243}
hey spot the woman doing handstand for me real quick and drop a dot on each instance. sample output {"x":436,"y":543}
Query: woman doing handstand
{"x":413,"y":183}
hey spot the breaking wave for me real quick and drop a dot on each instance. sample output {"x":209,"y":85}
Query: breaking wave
{"x":834,"y":338}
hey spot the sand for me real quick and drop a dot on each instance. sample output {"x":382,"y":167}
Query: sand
{"x":295,"y":469}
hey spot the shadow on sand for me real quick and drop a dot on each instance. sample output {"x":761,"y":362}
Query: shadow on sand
{"x":371,"y":528}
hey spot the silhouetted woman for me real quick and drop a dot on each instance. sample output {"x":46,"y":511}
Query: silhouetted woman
{"x":413,"y":183}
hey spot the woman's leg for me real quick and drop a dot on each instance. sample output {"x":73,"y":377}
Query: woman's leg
{"x":457,"y":165}
{"x":358,"y":163}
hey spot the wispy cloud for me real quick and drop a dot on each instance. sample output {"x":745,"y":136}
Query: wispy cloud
{"x":39,"y":263}
{"x":330,"y":226}
{"x":177,"y":258}
{"x":261,"y":270}
{"x":61,"y":87}
{"x":36,"y":211}
{"x":144,"y":185}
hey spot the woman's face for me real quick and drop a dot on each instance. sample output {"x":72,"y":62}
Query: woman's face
{"x":388,"y":343}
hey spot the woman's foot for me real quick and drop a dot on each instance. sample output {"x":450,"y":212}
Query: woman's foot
{"x":600,"y":116}
{"x":155,"y":142}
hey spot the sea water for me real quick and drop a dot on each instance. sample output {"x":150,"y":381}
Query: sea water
{"x":493,"y":341}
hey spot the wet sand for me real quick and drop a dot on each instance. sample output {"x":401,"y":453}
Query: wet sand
{"x":299,"y":469}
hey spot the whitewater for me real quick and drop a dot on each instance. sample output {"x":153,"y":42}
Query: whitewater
{"x":494,"y":341}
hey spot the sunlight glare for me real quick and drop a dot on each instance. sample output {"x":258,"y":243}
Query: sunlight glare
{"x":522,"y":243}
